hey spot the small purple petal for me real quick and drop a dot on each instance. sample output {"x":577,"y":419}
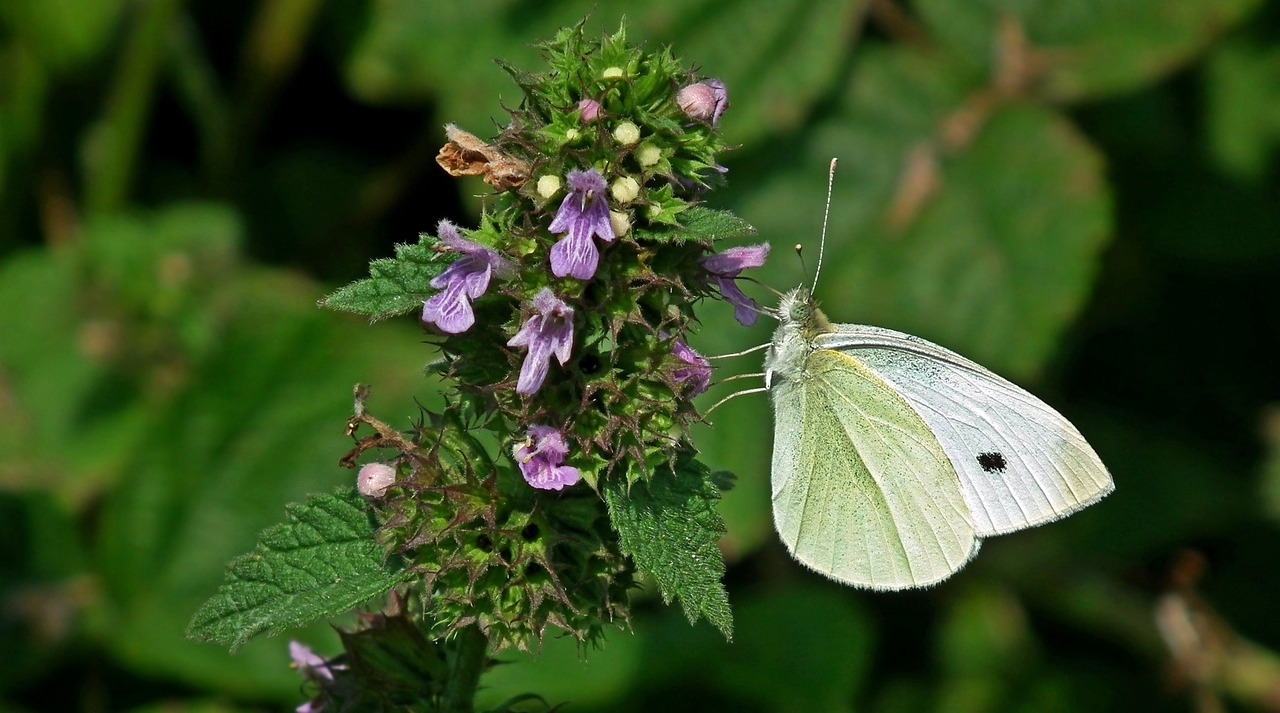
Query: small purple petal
{"x":727,"y":265}
{"x":464,"y":280}
{"x":449,"y":310}
{"x":698,"y":372}
{"x":584,"y":215}
{"x":734,"y":260}
{"x":549,"y":332}
{"x":540,"y":457}
{"x":745,"y":309}
{"x":309,"y":664}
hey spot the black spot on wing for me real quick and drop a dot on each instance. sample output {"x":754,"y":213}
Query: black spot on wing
{"x":992,"y":462}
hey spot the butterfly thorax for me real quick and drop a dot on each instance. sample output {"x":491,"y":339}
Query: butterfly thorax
{"x":799,"y":323}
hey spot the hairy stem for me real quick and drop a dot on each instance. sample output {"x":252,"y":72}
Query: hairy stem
{"x":467,"y":657}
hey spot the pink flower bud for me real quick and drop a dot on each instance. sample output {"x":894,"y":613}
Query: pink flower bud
{"x":374,"y":479}
{"x":588,"y":110}
{"x":704,"y":101}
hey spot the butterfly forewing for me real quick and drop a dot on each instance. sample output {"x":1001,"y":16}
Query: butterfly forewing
{"x":1020,"y":463}
{"x":861,"y":491}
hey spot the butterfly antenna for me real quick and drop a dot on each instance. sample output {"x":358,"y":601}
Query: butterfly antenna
{"x":822,"y":243}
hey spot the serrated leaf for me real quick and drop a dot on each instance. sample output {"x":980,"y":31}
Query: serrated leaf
{"x":395,"y":285}
{"x":1089,"y":49}
{"x":715,"y":224}
{"x":669,"y":526}
{"x":320,"y":563}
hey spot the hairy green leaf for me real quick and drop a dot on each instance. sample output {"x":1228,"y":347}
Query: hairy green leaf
{"x":669,"y":526}
{"x":395,"y":285}
{"x":321,"y":563}
{"x":715,"y":224}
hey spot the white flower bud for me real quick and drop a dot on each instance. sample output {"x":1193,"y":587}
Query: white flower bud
{"x":624,"y":190}
{"x":548,"y":186}
{"x":648,"y":155}
{"x":626,"y":133}
{"x":621,"y":223}
{"x":611,"y":73}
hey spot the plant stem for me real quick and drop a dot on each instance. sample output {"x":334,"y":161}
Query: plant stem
{"x":467,"y":657}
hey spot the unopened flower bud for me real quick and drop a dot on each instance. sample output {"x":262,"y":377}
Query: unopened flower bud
{"x":626,"y":133}
{"x":570,"y":134}
{"x":648,"y":155}
{"x":374,"y":480}
{"x":704,"y":101}
{"x":611,"y":73}
{"x":588,"y":110}
{"x":625,"y":189}
{"x":621,"y":223}
{"x":548,"y":186}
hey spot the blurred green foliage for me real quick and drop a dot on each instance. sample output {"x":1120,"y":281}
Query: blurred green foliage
{"x":1081,"y":195}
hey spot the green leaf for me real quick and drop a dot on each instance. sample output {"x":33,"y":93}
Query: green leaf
{"x":715,"y":225}
{"x":321,"y":563}
{"x":669,"y":526}
{"x":985,"y":243}
{"x":1089,"y":49}
{"x":395,"y":285}
{"x":1242,"y":91}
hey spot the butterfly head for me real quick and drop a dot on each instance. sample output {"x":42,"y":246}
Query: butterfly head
{"x":800,"y":312}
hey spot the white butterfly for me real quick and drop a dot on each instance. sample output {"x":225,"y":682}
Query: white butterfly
{"x":893,"y":457}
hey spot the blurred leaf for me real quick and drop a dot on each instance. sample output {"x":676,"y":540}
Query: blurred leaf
{"x":984,"y":240}
{"x":669,"y":526}
{"x":64,"y":32}
{"x":1270,"y":476}
{"x":413,"y":51}
{"x":1242,"y":90}
{"x":1088,"y":49}
{"x":323,"y":561}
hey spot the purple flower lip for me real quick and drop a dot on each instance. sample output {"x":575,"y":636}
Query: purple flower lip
{"x":696,"y":373}
{"x":549,"y":332}
{"x":584,"y":215}
{"x":310,"y":664}
{"x":540,"y":457}
{"x":724,"y":267}
{"x":465,"y":280}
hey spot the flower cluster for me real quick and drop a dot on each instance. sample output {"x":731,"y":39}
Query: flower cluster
{"x":564,"y":321}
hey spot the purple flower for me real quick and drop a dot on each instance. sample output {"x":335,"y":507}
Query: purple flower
{"x":540,"y":456}
{"x":725,"y":266}
{"x":549,"y":331}
{"x":588,"y":110}
{"x":583,"y":214}
{"x":466,"y":279}
{"x":704,"y":101}
{"x":696,"y":372}
{"x":310,"y":664}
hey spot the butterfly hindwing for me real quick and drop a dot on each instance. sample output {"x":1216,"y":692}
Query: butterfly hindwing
{"x":1020,"y":463}
{"x":862,"y":492}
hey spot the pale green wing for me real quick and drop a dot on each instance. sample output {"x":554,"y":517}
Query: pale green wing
{"x":1020,"y":463}
{"x":862,"y":492}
